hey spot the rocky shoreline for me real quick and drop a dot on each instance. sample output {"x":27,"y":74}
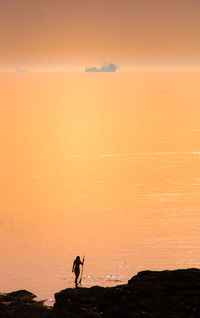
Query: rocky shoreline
{"x":152,"y":294}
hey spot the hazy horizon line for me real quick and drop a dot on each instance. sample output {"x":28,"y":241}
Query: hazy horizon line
{"x":120,"y":70}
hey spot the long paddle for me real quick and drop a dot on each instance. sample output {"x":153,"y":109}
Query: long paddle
{"x":82,"y":270}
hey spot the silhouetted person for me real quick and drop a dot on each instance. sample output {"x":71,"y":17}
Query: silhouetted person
{"x":76,"y":268}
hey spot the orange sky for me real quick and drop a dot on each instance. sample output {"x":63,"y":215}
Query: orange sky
{"x":70,"y":34}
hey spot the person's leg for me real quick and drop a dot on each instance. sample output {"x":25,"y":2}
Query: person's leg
{"x":76,"y":284}
{"x":77,"y":272}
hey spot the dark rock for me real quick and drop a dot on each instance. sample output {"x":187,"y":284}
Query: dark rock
{"x":23,"y":295}
{"x":20,"y":304}
{"x":149,"y":294}
{"x":170,"y":294}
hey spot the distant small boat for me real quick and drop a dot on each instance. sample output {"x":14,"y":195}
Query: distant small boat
{"x":106,"y":67}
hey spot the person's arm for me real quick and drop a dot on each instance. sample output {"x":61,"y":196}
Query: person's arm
{"x":73,"y":267}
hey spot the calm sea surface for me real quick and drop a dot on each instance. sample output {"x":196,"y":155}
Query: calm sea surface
{"x":106,"y":165}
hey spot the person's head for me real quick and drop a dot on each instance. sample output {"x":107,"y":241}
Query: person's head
{"x":77,"y":258}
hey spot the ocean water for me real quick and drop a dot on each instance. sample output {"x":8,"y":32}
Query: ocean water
{"x":101,"y":165}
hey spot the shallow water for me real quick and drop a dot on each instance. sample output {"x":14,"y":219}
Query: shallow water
{"x":106,"y":165}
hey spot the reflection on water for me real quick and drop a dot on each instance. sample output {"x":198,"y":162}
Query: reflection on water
{"x":102,"y":165}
